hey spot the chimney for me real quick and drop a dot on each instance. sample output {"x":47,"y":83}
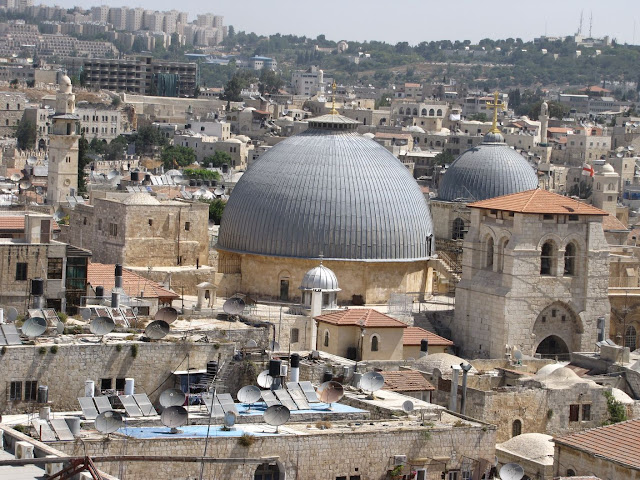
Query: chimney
{"x":295,"y":367}
{"x":424,"y":347}
{"x":115,"y":294}
{"x":453,"y":399}
{"x":37,"y":292}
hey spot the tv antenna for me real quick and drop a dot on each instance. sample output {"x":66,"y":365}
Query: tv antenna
{"x":249,"y":395}
{"x":108,"y":422}
{"x":371,"y":382}
{"x":330,"y":392}
{"x":157,"y":329}
{"x":34,"y":327}
{"x":174,"y":417}
{"x":511,"y":471}
{"x":276,"y":415}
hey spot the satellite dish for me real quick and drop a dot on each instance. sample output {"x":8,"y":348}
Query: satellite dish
{"x":264,"y":379}
{"x":157,"y":329}
{"x":371,"y":382}
{"x":167,"y":314}
{"x":218,"y":191}
{"x":233,"y":306}
{"x":39,"y":190}
{"x":511,"y":471}
{"x":113,"y":174}
{"x":108,"y":422}
{"x":15,"y":177}
{"x":229,"y":419}
{"x":85,"y":313}
{"x":619,"y":155}
{"x":24,"y":183}
{"x":408,"y":406}
{"x":248,"y":394}
{"x":12,"y":314}
{"x":174,"y":417}
{"x":172,"y":397}
{"x":274,"y":346}
{"x":32,"y":160}
{"x":60,"y":327}
{"x":276,"y":415}
{"x":252,"y":344}
{"x":102,"y":325}
{"x":330,"y":392}
{"x":34,"y":327}
{"x":517,"y":355}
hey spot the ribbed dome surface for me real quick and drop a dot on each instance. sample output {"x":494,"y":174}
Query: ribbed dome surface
{"x":491,"y":169}
{"x":330,"y":192}
{"x":320,"y":277}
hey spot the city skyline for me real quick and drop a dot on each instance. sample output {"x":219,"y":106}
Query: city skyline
{"x":373,"y":20}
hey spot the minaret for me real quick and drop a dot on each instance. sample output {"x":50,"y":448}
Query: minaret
{"x":544,"y":123}
{"x":63,"y":146}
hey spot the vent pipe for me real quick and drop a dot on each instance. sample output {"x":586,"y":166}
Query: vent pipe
{"x":295,"y":368}
{"x":37,"y":291}
{"x":115,"y":294}
{"x":453,"y":399}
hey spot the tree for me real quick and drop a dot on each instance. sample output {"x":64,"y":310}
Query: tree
{"x":147,"y":138}
{"x":270,"y":82}
{"x":26,"y":135}
{"x":480,"y":117}
{"x":216,"y":209}
{"x":116,"y":101}
{"x":556,"y":110}
{"x":175,"y":156}
{"x":14,"y":83}
{"x":233,"y":88}
{"x":444,"y":158}
{"x":83,"y":160}
{"x":116,"y":149}
{"x":616,"y":409}
{"x":217,"y":159}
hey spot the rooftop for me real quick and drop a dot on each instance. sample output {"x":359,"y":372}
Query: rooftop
{"x":366,"y":317}
{"x":538,"y":201}
{"x":101,"y":274}
{"x":405,"y":381}
{"x":618,"y":443}
{"x":413,"y":336}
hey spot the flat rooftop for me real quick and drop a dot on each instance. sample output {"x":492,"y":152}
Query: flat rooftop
{"x":26,"y":472}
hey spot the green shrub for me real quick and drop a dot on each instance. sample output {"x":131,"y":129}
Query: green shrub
{"x":42,"y":350}
{"x":54,"y":349}
{"x":63,"y":317}
{"x":134,"y":351}
{"x":246,"y":440}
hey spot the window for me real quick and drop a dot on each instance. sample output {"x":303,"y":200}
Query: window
{"x":105,"y":384}
{"x":574,"y":412}
{"x":546,"y":259}
{"x":151,"y":222}
{"x":573,"y":218}
{"x":516,"y":428}
{"x":458,"y":229}
{"x":187,"y":226}
{"x":120,"y":383}
{"x":31,"y":390}
{"x":630,"y":338}
{"x":15,"y":391}
{"x":295,"y":335}
{"x":547,"y":216}
{"x":490,"y":252}
{"x":21,"y":271}
{"x":586,"y":412}
{"x":570,"y":259}
{"x":326,"y":338}
{"x":113,"y":229}
{"x":374,"y":343}
{"x":54,"y":269}
{"x":571,"y":473}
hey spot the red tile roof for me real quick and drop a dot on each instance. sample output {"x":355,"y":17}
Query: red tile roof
{"x":619,"y":443}
{"x":558,"y":130}
{"x":101,"y":274}
{"x":16,"y":223}
{"x":612,"y":223}
{"x":538,"y":201}
{"x":396,"y":136}
{"x":406,"y":381}
{"x":365,"y":317}
{"x":413,"y":335}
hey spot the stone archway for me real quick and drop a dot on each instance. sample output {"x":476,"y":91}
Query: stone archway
{"x":552,"y":346}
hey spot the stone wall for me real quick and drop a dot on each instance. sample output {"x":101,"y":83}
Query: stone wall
{"x":586,"y":464}
{"x":65,"y":371}
{"x":318,"y":455}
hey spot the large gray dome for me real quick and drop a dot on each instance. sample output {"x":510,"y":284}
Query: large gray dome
{"x":328,"y":191}
{"x":491,"y":169}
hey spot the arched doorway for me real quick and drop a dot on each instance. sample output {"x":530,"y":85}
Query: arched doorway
{"x":458,"y":229}
{"x":516,"y":428}
{"x":552,"y":346}
{"x":630,"y":338}
{"x":267,"y":472}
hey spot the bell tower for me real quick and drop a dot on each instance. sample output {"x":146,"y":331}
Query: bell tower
{"x":63,"y":146}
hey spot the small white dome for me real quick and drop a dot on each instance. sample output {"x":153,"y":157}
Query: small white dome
{"x":65,"y":84}
{"x":416,"y":128}
{"x":607,"y":168}
{"x":141,"y":199}
{"x":321,"y":278}
{"x":532,"y":446}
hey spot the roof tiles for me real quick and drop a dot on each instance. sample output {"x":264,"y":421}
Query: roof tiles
{"x":538,"y":201}
{"x":101,"y":274}
{"x":364,"y":317}
{"x":413,"y":336}
{"x":406,"y":381}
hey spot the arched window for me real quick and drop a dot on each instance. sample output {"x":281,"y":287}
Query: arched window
{"x":571,"y":473}
{"x":516,"y":428}
{"x":401,"y":111}
{"x":326,"y":338}
{"x":415,"y":112}
{"x":424,"y":112}
{"x":490,"y":252}
{"x":295,"y":335}
{"x":458,"y":229}
{"x":439,"y":113}
{"x":432,"y":112}
{"x":501,"y":254}
{"x":630,"y":338}
{"x":374,"y":343}
{"x":546,"y":259}
{"x":570,"y":259}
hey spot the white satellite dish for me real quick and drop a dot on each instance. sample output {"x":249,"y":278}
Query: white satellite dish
{"x":32,"y":160}
{"x":229,"y":420}
{"x":408,"y":406}
{"x":264,"y":379}
{"x":511,"y":471}
{"x":12,"y":314}
{"x":276,"y":415}
{"x":371,"y":382}
{"x":252,"y":344}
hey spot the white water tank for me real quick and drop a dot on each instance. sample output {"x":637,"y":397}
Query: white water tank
{"x":129,"y":386}
{"x":89,"y":388}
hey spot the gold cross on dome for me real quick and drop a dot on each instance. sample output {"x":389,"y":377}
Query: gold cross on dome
{"x":333,"y":99}
{"x":497,"y":104}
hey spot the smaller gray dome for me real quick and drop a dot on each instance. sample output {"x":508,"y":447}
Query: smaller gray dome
{"x":140,"y":198}
{"x":321,"y":278}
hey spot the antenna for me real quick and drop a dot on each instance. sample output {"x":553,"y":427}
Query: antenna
{"x":174,"y":417}
{"x":233,"y":306}
{"x":511,"y":471}
{"x":108,"y":422}
{"x":330,"y":392}
{"x":34,"y":327}
{"x":172,"y":397}
{"x":102,"y":325}
{"x":276,"y":415}
{"x":264,"y":379}
{"x":167,"y":314}
{"x":371,"y":382}
{"x":408,"y":406}
{"x":590,"y":23}
{"x":157,"y":329}
{"x":248,"y":394}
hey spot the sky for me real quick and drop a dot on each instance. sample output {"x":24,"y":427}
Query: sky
{"x":412,"y":21}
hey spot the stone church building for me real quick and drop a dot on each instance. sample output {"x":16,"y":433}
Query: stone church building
{"x":535,"y":277}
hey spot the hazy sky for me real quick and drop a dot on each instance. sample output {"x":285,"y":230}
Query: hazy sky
{"x":412,"y":21}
